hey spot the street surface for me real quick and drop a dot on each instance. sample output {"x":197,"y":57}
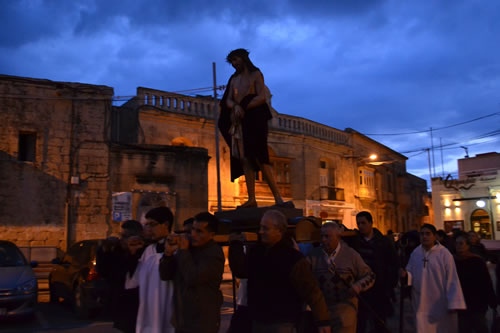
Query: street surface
{"x":60,"y":318}
{"x":52,"y":318}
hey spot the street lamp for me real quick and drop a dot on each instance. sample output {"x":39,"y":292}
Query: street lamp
{"x":372,"y":159}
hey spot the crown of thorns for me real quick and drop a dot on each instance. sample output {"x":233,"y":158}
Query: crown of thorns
{"x":242,"y":53}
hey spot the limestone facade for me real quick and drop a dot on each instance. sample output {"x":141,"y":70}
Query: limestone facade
{"x":155,"y":175}
{"x":325,"y":171}
{"x":66,"y":151}
{"x":60,"y":169}
{"x":54,"y":161}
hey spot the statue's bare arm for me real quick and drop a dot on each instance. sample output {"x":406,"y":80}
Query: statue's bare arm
{"x":259,"y":90}
{"x":230,"y":101}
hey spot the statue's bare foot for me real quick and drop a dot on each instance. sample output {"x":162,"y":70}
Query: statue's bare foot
{"x":248,"y":204}
{"x":285,"y":204}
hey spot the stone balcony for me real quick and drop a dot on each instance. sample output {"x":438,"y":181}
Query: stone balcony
{"x":194,"y":106}
{"x":302,"y":126}
{"x":204,"y":107}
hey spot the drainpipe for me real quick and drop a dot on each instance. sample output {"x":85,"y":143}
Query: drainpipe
{"x":69,"y":191}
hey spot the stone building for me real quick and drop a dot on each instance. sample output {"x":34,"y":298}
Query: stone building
{"x":72,"y":165}
{"x":471,"y":202}
{"x":54,"y":161}
{"x":59,"y":169}
{"x":325,"y":171}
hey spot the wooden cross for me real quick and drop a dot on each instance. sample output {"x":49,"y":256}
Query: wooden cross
{"x":425,"y":260}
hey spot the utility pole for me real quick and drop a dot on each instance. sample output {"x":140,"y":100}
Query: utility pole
{"x":217,"y":153}
{"x":429,"y":161}
{"x":442,"y":164}
{"x":433,"y":161}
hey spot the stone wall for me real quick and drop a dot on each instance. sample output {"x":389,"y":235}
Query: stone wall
{"x":170,"y":176}
{"x":70,"y":123}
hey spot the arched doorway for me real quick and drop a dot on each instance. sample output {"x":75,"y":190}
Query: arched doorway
{"x":481,"y":223}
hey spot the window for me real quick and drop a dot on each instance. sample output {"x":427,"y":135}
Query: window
{"x":27,"y":147}
{"x":282,"y":170}
{"x":366,"y":178}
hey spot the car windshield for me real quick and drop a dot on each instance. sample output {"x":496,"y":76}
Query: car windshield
{"x":10,"y":256}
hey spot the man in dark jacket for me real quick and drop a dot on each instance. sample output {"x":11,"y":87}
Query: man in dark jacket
{"x":280,"y":280}
{"x":379,"y":253}
{"x":112,"y":258}
{"x":196,"y":270}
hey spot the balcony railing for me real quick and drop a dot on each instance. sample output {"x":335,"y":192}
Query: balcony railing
{"x":194,"y":106}
{"x":204,"y":107}
{"x":331,"y":193}
{"x":310,"y":128}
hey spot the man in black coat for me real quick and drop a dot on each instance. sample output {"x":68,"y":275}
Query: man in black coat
{"x":379,"y":253}
{"x":195,"y":265}
{"x":280,"y":280}
{"x":112,"y":260}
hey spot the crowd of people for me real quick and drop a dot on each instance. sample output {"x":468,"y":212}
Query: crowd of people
{"x":166,"y":281}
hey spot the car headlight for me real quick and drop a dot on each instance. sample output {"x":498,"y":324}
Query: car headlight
{"x":27,"y":287}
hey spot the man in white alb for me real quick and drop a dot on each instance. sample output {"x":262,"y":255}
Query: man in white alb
{"x":155,"y":296}
{"x":436,"y":291}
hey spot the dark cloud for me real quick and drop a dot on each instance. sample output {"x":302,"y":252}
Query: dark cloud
{"x":376,"y":66}
{"x":26,"y":21}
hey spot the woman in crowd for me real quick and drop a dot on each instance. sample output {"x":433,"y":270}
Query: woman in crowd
{"x":476,"y":285}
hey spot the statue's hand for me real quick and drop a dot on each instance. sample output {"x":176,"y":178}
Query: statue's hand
{"x":238,"y":111}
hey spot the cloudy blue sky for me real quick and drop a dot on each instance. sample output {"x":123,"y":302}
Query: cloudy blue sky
{"x":378,"y":66}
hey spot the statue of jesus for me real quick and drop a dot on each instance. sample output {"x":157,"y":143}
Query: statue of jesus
{"x":243,"y":123}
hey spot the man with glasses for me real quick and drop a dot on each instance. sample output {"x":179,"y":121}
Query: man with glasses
{"x":155,"y":296}
{"x":436,"y":292}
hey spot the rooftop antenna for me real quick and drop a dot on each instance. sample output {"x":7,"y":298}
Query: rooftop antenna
{"x":466,"y":151}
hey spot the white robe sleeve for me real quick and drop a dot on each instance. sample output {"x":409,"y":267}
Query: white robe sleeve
{"x":132,"y":282}
{"x":410,"y":267}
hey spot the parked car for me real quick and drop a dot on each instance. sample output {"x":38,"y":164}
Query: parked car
{"x":18,"y":284}
{"x":74,"y":278}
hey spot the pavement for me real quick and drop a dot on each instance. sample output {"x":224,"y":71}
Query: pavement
{"x":59,"y":318}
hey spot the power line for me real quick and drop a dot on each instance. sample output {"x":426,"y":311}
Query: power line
{"x":435,"y":129}
{"x":449,"y":145}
